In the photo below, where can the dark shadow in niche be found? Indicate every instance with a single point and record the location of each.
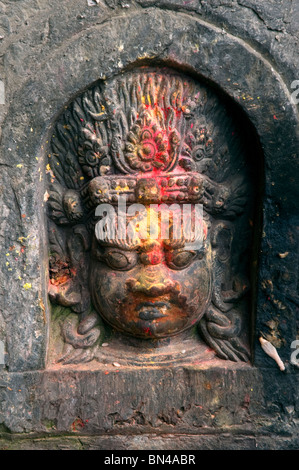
(157, 135)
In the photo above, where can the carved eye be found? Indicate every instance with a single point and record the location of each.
(119, 260)
(180, 259)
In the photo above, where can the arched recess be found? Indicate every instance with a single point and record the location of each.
(178, 40)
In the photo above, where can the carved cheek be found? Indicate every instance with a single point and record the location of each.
(195, 285)
(106, 282)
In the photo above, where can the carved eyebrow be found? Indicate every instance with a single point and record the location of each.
(125, 245)
(119, 243)
(174, 243)
(132, 243)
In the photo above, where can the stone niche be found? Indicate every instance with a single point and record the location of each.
(145, 340)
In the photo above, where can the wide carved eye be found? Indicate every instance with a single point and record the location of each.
(119, 260)
(180, 259)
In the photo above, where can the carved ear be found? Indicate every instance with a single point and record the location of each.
(221, 326)
(69, 261)
(221, 240)
(228, 287)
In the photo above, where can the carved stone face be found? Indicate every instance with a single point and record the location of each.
(152, 288)
(150, 137)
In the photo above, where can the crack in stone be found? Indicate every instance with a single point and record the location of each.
(259, 16)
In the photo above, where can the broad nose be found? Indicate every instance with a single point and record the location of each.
(152, 252)
(153, 282)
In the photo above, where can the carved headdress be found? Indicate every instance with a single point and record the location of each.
(150, 136)
(155, 136)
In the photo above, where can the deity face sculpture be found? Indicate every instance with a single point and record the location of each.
(152, 288)
(153, 137)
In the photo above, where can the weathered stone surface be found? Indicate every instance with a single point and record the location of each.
(23, 148)
(182, 443)
(183, 408)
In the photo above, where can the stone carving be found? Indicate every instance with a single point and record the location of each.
(149, 136)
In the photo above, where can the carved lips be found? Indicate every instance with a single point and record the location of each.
(151, 310)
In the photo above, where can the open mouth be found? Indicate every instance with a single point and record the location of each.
(151, 310)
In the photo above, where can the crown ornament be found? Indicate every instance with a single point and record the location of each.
(149, 136)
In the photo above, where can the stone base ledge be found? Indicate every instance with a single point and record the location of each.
(178, 442)
(190, 407)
